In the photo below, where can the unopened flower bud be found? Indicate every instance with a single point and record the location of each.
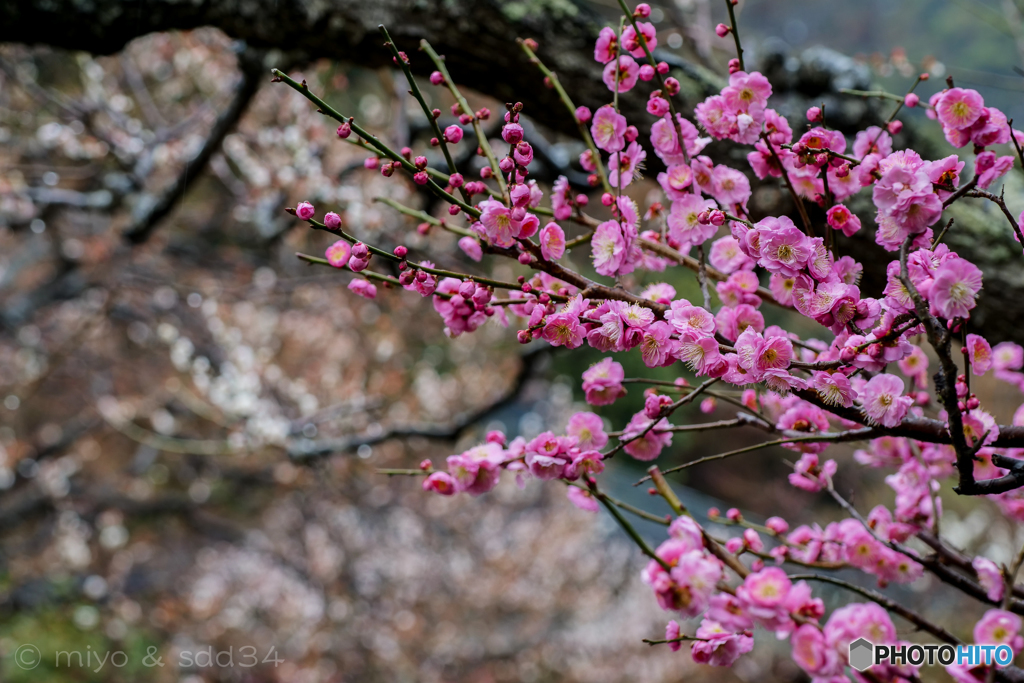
(663, 68)
(814, 114)
(401, 251)
(453, 134)
(406, 152)
(421, 178)
(420, 162)
(717, 217)
(523, 337)
(973, 403)
(344, 130)
(483, 113)
(456, 180)
(911, 100)
(486, 172)
(332, 221)
(734, 65)
(436, 78)
(512, 133)
(583, 114)
(387, 169)
(525, 258)
(434, 142)
(582, 199)
(436, 113)
(642, 11)
(631, 133)
(671, 85)
(305, 211)
(453, 210)
(607, 199)
(895, 127)
(721, 30)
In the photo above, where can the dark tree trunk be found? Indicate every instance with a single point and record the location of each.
(478, 39)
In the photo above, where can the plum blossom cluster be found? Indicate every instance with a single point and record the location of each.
(863, 376)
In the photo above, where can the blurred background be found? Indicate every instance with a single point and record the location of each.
(192, 418)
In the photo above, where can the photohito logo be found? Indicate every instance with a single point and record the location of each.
(864, 654)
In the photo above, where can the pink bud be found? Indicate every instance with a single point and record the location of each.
(434, 142)
(717, 217)
(357, 265)
(523, 337)
(407, 152)
(421, 178)
(911, 100)
(456, 180)
(420, 162)
(646, 72)
(344, 130)
(777, 524)
(671, 85)
(643, 10)
(305, 211)
(582, 199)
(332, 221)
(657, 106)
(973, 403)
(371, 163)
(734, 65)
(733, 514)
(453, 210)
(483, 113)
(722, 30)
(631, 133)
(506, 164)
(494, 436)
(512, 133)
(663, 68)
(426, 464)
(607, 199)
(714, 513)
(814, 114)
(453, 134)
(387, 169)
(436, 78)
(583, 114)
(734, 545)
(525, 258)
(895, 127)
(401, 252)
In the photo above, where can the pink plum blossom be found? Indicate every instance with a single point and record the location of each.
(884, 402)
